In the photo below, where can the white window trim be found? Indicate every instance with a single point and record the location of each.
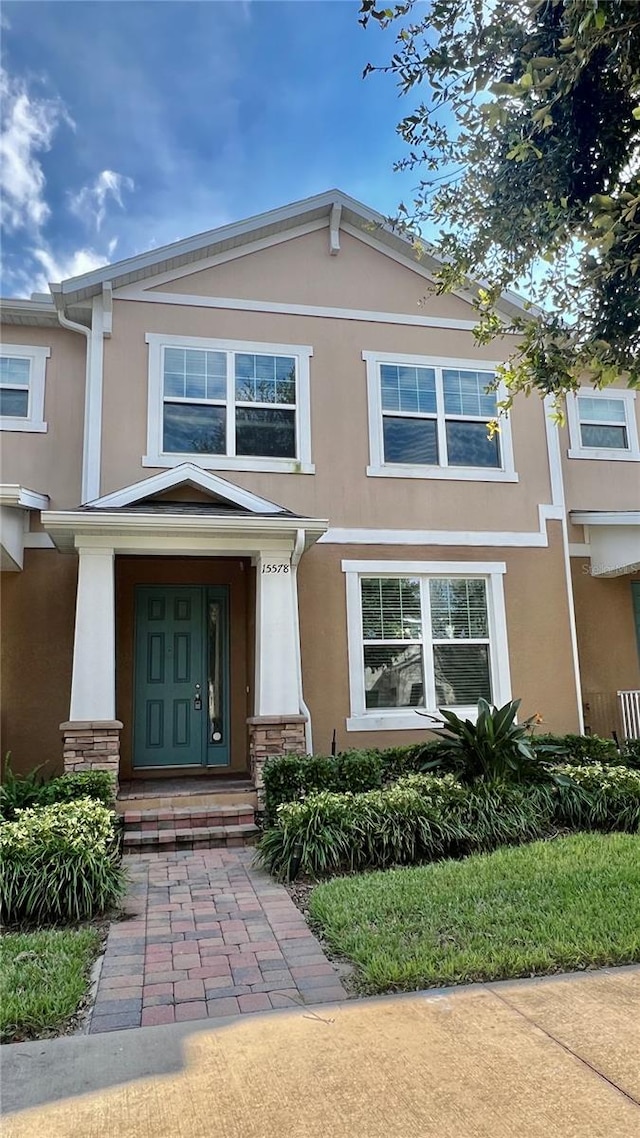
(34, 421)
(577, 450)
(155, 457)
(378, 468)
(401, 719)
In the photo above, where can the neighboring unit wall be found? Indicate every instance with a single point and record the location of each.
(599, 483)
(50, 462)
(607, 643)
(38, 616)
(540, 657)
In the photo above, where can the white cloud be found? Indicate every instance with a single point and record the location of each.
(90, 203)
(69, 265)
(27, 127)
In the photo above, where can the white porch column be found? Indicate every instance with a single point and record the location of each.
(277, 654)
(93, 684)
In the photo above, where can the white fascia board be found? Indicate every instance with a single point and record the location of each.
(610, 518)
(70, 528)
(14, 495)
(187, 472)
(501, 538)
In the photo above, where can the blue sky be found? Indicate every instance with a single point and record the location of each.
(132, 123)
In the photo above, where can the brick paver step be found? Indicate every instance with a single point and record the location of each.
(184, 837)
(181, 817)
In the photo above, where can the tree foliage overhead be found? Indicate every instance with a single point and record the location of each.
(527, 148)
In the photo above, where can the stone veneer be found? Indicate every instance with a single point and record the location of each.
(92, 745)
(273, 735)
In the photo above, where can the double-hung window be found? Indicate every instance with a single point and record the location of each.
(228, 404)
(430, 419)
(22, 380)
(602, 424)
(424, 636)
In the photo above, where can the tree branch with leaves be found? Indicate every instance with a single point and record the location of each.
(527, 147)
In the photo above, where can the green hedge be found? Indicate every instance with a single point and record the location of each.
(59, 862)
(425, 817)
(21, 791)
(289, 778)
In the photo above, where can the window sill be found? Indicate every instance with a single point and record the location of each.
(446, 473)
(405, 720)
(601, 454)
(224, 462)
(30, 425)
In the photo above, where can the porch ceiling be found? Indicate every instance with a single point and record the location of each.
(613, 538)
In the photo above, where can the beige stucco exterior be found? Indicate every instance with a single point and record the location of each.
(364, 298)
(50, 463)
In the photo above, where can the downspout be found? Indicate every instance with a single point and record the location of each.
(298, 550)
(92, 398)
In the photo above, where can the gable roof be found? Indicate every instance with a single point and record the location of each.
(187, 474)
(332, 206)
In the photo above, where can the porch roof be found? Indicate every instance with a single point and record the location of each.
(214, 532)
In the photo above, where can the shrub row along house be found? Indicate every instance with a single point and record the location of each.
(249, 499)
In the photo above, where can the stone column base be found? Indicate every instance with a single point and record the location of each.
(271, 735)
(92, 745)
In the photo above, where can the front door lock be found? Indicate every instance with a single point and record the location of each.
(197, 699)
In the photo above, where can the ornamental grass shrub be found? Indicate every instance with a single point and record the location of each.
(59, 863)
(425, 817)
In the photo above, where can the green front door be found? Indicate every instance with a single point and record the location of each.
(181, 677)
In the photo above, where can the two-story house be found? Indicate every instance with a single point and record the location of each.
(249, 500)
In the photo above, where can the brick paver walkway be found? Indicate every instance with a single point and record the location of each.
(208, 935)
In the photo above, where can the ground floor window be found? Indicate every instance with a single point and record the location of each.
(424, 635)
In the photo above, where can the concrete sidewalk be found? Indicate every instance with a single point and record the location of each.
(556, 1058)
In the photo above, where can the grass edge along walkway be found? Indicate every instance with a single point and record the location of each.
(545, 907)
(44, 978)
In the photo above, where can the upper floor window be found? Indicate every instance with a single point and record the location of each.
(423, 636)
(602, 424)
(22, 376)
(429, 419)
(228, 404)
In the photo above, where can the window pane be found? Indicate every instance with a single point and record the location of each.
(462, 674)
(265, 379)
(15, 370)
(458, 609)
(468, 445)
(611, 437)
(601, 410)
(408, 388)
(464, 393)
(264, 432)
(215, 679)
(391, 608)
(14, 403)
(194, 428)
(195, 374)
(393, 675)
(410, 440)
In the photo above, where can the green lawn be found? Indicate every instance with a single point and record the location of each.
(43, 980)
(539, 908)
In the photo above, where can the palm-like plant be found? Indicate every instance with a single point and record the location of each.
(494, 748)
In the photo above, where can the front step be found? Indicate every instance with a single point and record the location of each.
(204, 826)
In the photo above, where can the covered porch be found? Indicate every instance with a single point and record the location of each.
(608, 621)
(186, 658)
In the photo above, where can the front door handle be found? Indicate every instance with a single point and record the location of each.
(197, 699)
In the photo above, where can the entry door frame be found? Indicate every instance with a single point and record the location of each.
(206, 752)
